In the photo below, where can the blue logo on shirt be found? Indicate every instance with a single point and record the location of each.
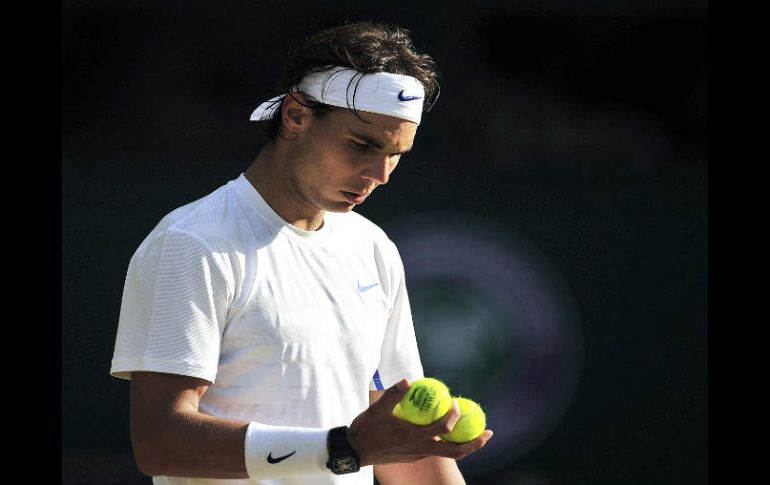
(365, 288)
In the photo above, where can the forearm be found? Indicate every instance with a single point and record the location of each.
(433, 470)
(192, 444)
(172, 437)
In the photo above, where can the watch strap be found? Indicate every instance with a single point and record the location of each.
(342, 458)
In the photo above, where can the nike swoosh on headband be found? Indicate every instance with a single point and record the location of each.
(407, 98)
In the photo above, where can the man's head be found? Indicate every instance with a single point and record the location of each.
(334, 162)
(362, 47)
(351, 99)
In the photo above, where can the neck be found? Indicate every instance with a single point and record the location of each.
(270, 176)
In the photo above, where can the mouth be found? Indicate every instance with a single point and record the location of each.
(355, 197)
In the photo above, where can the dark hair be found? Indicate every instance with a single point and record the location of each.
(364, 46)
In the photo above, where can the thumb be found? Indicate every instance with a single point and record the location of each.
(393, 394)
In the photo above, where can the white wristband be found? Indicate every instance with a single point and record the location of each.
(277, 451)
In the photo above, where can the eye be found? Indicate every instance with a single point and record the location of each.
(359, 146)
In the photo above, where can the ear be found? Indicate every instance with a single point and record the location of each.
(295, 115)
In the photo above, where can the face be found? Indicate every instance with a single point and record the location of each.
(337, 160)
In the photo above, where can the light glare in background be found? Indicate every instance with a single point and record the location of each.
(496, 321)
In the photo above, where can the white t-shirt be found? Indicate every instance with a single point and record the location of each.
(292, 327)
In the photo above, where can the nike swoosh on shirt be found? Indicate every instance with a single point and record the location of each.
(365, 288)
(273, 461)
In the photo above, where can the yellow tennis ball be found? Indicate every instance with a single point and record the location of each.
(397, 411)
(471, 424)
(426, 401)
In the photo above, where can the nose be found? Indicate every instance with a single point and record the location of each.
(378, 169)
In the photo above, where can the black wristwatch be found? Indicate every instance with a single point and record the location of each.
(342, 458)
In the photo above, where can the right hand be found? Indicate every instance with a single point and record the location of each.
(378, 437)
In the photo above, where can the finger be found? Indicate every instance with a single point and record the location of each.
(393, 394)
(447, 423)
(460, 450)
(484, 438)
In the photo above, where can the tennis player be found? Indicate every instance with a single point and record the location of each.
(266, 327)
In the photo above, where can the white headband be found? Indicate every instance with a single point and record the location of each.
(389, 94)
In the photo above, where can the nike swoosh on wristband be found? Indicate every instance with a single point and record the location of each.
(273, 461)
(401, 97)
(367, 287)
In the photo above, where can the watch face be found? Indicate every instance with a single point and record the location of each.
(345, 465)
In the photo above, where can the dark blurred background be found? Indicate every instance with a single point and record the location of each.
(552, 216)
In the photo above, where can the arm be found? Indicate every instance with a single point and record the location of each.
(431, 469)
(170, 436)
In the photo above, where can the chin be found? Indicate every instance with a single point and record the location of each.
(333, 204)
(341, 208)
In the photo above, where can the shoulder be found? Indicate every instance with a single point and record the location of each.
(359, 232)
(212, 224)
(372, 246)
(355, 227)
(214, 218)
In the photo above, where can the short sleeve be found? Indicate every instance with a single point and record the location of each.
(173, 310)
(399, 356)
